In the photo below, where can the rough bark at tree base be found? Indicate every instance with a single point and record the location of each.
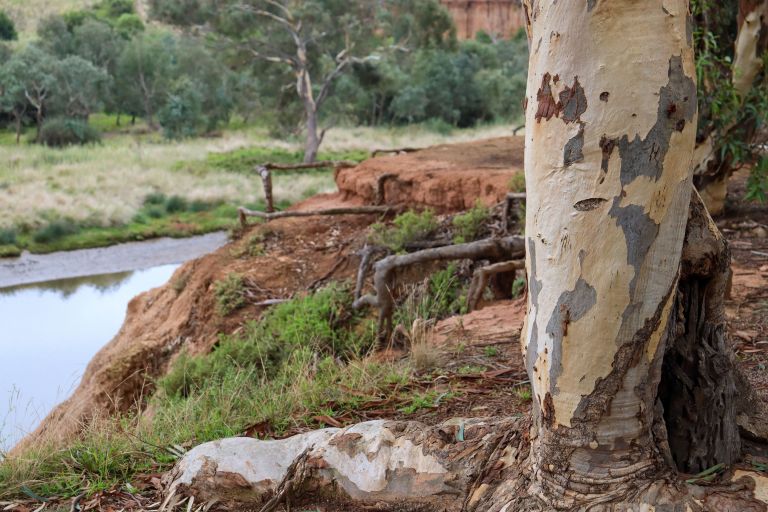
(479, 465)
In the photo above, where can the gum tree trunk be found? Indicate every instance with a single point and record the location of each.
(611, 122)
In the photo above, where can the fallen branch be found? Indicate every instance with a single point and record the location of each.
(244, 213)
(483, 275)
(492, 248)
(377, 152)
(265, 172)
(366, 254)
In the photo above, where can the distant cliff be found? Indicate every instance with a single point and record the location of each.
(498, 18)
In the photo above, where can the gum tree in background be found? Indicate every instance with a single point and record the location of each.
(731, 54)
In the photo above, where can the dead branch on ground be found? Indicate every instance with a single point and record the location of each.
(483, 275)
(265, 172)
(511, 247)
(377, 152)
(244, 213)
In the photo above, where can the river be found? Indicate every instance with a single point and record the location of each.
(58, 310)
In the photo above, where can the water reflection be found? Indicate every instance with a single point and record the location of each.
(48, 334)
(67, 287)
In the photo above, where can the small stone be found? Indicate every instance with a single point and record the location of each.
(593, 445)
(760, 232)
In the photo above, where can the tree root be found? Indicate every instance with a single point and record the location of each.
(493, 249)
(461, 465)
(244, 213)
(483, 275)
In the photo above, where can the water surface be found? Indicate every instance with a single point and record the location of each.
(48, 334)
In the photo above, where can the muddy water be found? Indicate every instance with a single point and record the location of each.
(58, 310)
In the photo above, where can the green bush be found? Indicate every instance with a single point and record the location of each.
(469, 225)
(61, 132)
(229, 294)
(7, 28)
(56, 230)
(8, 236)
(176, 204)
(407, 228)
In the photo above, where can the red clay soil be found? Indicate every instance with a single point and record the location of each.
(449, 177)
(481, 351)
(297, 253)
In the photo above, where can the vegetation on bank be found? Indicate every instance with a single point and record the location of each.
(304, 364)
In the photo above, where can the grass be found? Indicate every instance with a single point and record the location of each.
(468, 226)
(307, 357)
(230, 294)
(102, 188)
(406, 228)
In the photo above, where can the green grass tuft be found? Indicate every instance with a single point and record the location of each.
(406, 228)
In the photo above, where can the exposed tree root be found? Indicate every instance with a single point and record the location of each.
(483, 275)
(479, 465)
(381, 182)
(377, 152)
(244, 213)
(383, 279)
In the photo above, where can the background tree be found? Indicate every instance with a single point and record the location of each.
(13, 101)
(7, 28)
(144, 73)
(80, 87)
(732, 48)
(36, 73)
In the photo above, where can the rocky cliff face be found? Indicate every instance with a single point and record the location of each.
(498, 18)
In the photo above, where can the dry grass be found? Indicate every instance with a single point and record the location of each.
(107, 184)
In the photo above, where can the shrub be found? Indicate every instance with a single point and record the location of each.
(176, 204)
(517, 182)
(407, 228)
(61, 132)
(7, 236)
(469, 225)
(7, 28)
(229, 294)
(55, 230)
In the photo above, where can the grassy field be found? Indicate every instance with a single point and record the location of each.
(27, 13)
(59, 199)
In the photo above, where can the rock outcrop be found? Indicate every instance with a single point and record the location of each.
(497, 18)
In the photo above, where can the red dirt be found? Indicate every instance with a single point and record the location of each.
(450, 177)
(298, 253)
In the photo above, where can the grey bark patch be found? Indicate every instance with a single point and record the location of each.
(604, 96)
(573, 151)
(571, 306)
(591, 4)
(534, 288)
(689, 29)
(640, 231)
(592, 203)
(677, 103)
(573, 102)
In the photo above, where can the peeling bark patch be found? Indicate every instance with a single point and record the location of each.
(573, 102)
(573, 151)
(689, 29)
(548, 409)
(591, 5)
(548, 108)
(607, 145)
(592, 203)
(640, 231)
(677, 103)
(534, 287)
(571, 307)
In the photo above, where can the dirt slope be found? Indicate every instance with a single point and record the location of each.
(296, 253)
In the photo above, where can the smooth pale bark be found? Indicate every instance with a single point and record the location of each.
(611, 122)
